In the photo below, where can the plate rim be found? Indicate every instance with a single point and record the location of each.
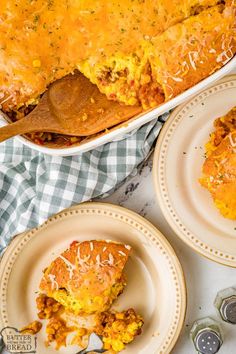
(200, 247)
(137, 221)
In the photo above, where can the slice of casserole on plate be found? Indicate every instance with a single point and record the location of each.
(87, 277)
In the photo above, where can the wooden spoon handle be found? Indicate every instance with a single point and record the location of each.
(36, 121)
(22, 126)
(28, 124)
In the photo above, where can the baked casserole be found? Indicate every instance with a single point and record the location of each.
(219, 169)
(137, 52)
(77, 291)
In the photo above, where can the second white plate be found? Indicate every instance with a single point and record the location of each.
(179, 156)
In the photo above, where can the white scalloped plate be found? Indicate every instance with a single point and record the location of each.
(156, 287)
(178, 161)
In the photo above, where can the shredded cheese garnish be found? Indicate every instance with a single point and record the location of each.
(98, 259)
(83, 262)
(71, 267)
(232, 142)
(52, 279)
(122, 253)
(111, 259)
(192, 58)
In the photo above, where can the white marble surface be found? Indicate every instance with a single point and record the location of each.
(204, 278)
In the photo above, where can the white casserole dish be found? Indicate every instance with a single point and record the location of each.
(125, 128)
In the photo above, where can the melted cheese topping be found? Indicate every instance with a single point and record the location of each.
(44, 40)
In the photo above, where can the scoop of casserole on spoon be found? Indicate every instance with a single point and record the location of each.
(71, 106)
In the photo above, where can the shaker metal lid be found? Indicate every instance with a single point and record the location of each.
(208, 341)
(228, 309)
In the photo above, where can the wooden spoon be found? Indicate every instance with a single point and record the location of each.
(71, 106)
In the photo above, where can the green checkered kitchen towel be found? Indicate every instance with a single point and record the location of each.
(34, 186)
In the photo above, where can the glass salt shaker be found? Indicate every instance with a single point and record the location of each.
(207, 336)
(225, 303)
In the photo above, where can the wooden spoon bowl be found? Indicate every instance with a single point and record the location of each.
(71, 106)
